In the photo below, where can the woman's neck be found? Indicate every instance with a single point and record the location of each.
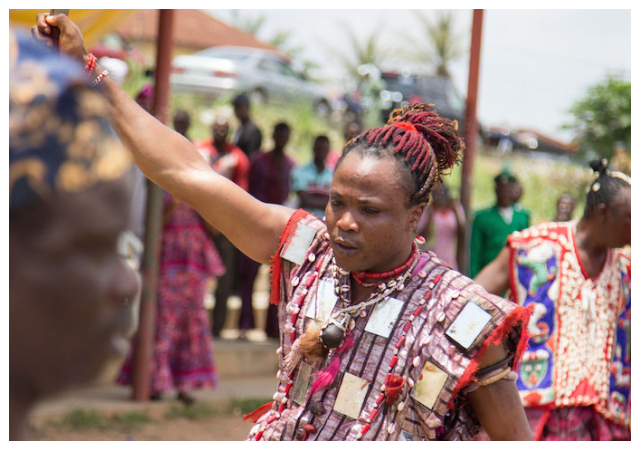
(591, 251)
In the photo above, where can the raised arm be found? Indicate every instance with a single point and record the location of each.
(494, 277)
(172, 162)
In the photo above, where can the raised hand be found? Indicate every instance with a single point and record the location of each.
(70, 38)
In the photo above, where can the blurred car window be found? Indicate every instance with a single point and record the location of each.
(286, 70)
(219, 53)
(262, 73)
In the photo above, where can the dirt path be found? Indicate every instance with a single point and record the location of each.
(167, 424)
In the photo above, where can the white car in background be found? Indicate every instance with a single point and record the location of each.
(265, 75)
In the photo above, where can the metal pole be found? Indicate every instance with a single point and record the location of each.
(153, 223)
(471, 125)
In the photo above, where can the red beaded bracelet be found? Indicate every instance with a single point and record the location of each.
(91, 64)
(100, 77)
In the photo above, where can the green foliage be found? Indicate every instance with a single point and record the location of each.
(357, 52)
(82, 420)
(196, 411)
(136, 79)
(439, 45)
(603, 117)
(246, 405)
(130, 420)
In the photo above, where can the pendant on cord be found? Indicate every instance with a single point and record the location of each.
(332, 335)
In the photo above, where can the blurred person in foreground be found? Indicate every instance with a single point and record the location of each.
(377, 340)
(71, 292)
(311, 181)
(575, 378)
(491, 226)
(231, 162)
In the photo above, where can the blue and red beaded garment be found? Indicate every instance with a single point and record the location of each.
(579, 348)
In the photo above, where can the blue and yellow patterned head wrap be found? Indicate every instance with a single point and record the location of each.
(60, 141)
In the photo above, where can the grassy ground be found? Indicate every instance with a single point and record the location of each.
(200, 421)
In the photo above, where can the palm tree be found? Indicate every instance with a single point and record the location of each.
(361, 53)
(440, 44)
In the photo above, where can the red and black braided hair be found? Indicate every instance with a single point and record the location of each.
(425, 142)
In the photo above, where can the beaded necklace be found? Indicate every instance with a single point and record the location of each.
(343, 320)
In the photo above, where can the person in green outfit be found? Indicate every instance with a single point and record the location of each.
(491, 226)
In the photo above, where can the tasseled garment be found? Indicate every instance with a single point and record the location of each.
(327, 376)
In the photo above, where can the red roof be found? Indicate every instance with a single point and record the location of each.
(570, 148)
(192, 28)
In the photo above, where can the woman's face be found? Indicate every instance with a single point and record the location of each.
(369, 223)
(69, 289)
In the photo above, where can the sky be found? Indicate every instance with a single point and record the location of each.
(534, 63)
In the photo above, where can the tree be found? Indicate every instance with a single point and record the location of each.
(361, 53)
(602, 119)
(439, 46)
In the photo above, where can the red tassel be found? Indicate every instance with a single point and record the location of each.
(254, 416)
(276, 261)
(328, 375)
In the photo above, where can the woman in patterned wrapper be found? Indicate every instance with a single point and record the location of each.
(379, 341)
(183, 358)
(575, 277)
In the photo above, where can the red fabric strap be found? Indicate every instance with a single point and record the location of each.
(519, 314)
(276, 260)
(255, 415)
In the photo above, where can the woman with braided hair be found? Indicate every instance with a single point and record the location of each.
(575, 378)
(379, 341)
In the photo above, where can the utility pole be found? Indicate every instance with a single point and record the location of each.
(153, 223)
(471, 127)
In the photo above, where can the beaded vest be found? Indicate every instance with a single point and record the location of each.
(441, 325)
(579, 348)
